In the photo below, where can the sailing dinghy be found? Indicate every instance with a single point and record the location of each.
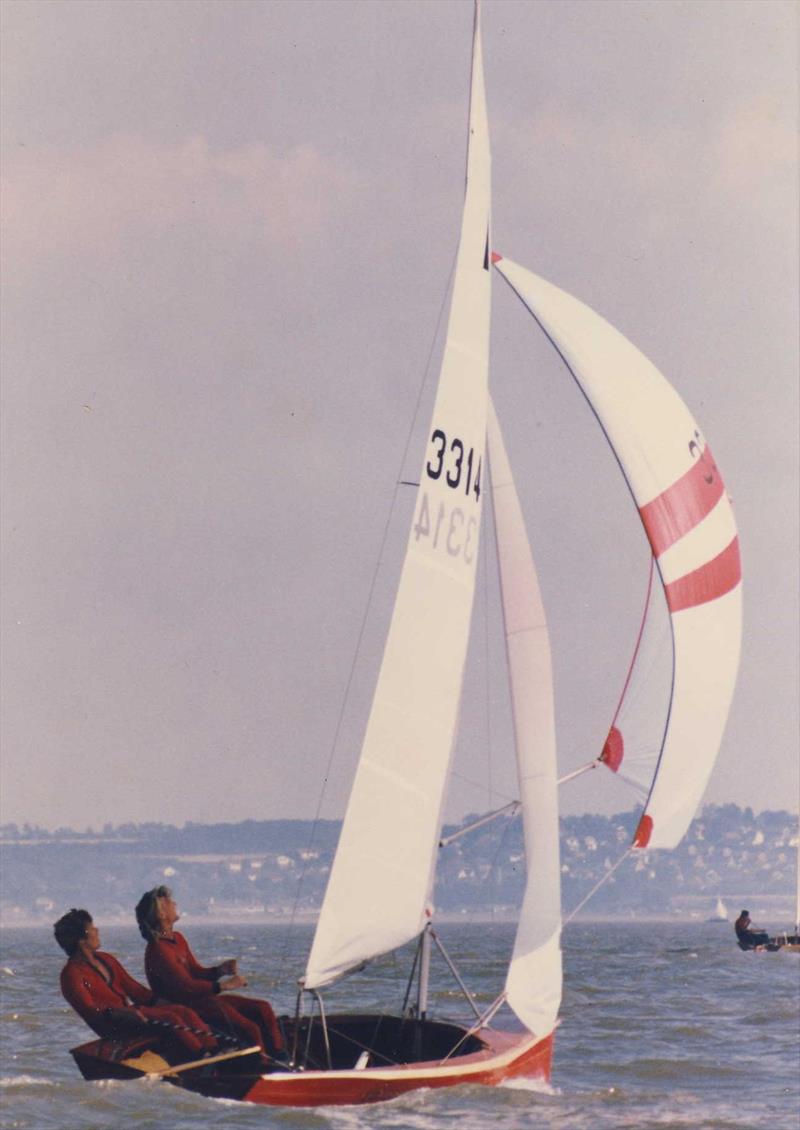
(720, 912)
(379, 892)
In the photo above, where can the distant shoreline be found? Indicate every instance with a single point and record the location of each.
(309, 918)
(275, 873)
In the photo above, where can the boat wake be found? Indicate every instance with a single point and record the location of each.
(535, 1086)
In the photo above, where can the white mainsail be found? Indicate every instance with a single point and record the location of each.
(690, 525)
(378, 895)
(533, 984)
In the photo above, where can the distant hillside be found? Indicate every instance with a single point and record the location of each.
(279, 867)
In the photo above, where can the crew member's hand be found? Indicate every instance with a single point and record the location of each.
(234, 982)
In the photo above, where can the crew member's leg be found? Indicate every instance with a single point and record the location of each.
(260, 1013)
(222, 1013)
(182, 1027)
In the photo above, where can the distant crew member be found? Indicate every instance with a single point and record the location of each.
(174, 973)
(748, 935)
(113, 1003)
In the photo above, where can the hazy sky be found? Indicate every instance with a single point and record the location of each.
(229, 227)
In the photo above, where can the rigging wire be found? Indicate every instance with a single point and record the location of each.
(639, 638)
(364, 619)
(487, 664)
(596, 887)
(490, 878)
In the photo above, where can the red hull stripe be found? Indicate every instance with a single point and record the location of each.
(683, 505)
(316, 1088)
(710, 581)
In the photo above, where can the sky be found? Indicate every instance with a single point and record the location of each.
(228, 229)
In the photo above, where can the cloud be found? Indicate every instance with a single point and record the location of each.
(92, 200)
(755, 147)
(744, 157)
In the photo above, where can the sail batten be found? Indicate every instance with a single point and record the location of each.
(689, 522)
(378, 894)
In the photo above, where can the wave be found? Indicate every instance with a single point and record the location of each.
(24, 1081)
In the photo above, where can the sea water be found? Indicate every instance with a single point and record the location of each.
(661, 1026)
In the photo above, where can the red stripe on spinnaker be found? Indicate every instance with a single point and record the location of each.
(682, 506)
(718, 576)
(643, 832)
(496, 257)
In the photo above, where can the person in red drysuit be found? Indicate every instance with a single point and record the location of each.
(174, 973)
(112, 1002)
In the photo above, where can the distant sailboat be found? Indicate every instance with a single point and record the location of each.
(379, 893)
(720, 912)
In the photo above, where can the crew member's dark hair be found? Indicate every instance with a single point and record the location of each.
(147, 911)
(70, 929)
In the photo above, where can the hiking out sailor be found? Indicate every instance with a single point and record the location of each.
(748, 934)
(114, 1004)
(175, 973)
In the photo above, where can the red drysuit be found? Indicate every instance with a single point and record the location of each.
(98, 1000)
(174, 973)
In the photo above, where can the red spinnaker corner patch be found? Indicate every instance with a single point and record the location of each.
(643, 832)
(613, 750)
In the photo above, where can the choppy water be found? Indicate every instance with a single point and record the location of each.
(661, 1027)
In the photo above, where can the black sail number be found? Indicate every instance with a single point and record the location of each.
(454, 475)
(454, 460)
(439, 438)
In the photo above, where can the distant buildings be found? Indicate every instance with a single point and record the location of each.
(278, 869)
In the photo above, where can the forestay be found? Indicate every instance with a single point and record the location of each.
(689, 522)
(378, 895)
(533, 984)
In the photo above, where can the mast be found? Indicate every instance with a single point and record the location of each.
(424, 973)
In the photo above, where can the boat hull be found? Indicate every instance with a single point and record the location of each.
(503, 1056)
(135, 1057)
(493, 1056)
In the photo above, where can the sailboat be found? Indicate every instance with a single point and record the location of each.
(379, 895)
(720, 912)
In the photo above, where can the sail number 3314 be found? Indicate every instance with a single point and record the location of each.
(455, 463)
(447, 525)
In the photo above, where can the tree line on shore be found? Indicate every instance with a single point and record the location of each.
(275, 866)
